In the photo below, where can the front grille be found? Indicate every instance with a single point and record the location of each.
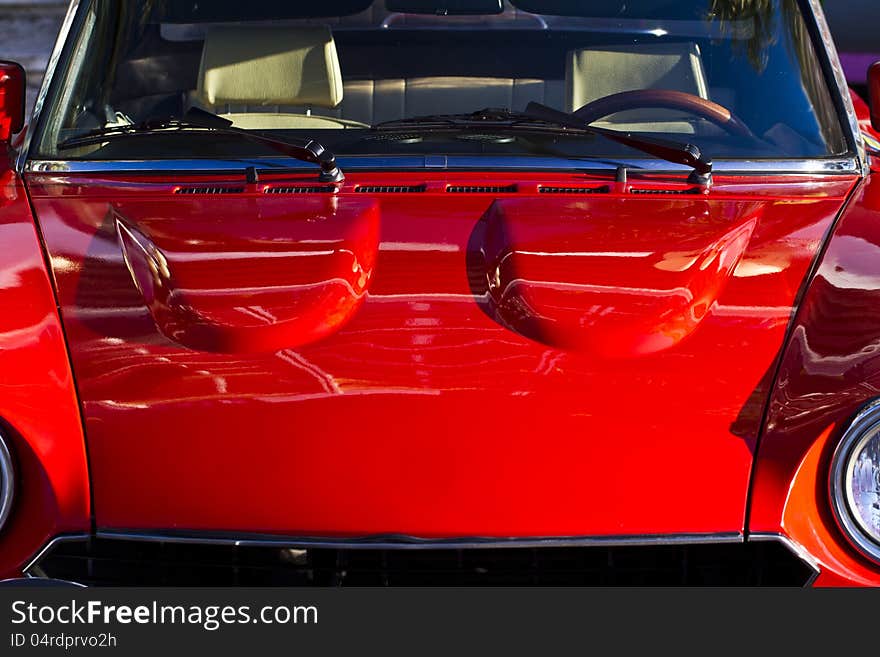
(114, 562)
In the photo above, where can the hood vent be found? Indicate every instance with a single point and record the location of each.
(575, 190)
(209, 190)
(665, 191)
(315, 189)
(391, 189)
(477, 189)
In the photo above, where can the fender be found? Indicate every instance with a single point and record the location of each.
(39, 414)
(829, 369)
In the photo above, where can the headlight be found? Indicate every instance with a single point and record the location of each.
(855, 481)
(7, 483)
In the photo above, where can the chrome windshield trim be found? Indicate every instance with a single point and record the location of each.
(850, 118)
(846, 165)
(412, 543)
(51, 68)
(796, 548)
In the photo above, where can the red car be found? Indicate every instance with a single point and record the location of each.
(440, 292)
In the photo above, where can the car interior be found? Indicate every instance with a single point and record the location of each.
(329, 73)
(291, 78)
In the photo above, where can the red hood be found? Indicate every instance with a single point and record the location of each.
(520, 363)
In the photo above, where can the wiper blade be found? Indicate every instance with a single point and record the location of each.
(666, 149)
(197, 121)
(546, 118)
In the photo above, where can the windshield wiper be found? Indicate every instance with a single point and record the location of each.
(540, 116)
(197, 121)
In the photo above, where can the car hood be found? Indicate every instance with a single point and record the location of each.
(430, 357)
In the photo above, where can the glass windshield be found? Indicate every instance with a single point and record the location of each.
(738, 78)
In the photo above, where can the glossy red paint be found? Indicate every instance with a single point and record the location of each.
(463, 396)
(38, 405)
(616, 285)
(12, 98)
(829, 370)
(301, 276)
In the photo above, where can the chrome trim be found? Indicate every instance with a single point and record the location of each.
(47, 581)
(843, 92)
(847, 165)
(35, 560)
(7, 483)
(51, 68)
(794, 547)
(412, 543)
(865, 426)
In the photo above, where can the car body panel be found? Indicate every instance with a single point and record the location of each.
(38, 402)
(828, 372)
(634, 368)
(432, 412)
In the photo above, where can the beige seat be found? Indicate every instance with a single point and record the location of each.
(374, 101)
(248, 74)
(594, 73)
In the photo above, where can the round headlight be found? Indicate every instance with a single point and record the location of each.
(7, 483)
(855, 481)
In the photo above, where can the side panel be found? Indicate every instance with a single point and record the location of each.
(830, 368)
(38, 408)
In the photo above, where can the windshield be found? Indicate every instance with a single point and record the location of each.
(738, 78)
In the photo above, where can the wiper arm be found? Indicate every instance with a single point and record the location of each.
(538, 115)
(198, 121)
(666, 149)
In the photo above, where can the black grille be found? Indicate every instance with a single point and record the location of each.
(574, 190)
(302, 189)
(209, 190)
(481, 189)
(112, 562)
(392, 189)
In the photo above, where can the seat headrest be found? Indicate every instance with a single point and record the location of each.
(270, 66)
(594, 73)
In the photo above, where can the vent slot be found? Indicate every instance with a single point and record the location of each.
(665, 191)
(209, 190)
(482, 189)
(392, 189)
(315, 189)
(575, 190)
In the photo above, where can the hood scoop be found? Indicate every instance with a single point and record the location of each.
(281, 278)
(611, 278)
